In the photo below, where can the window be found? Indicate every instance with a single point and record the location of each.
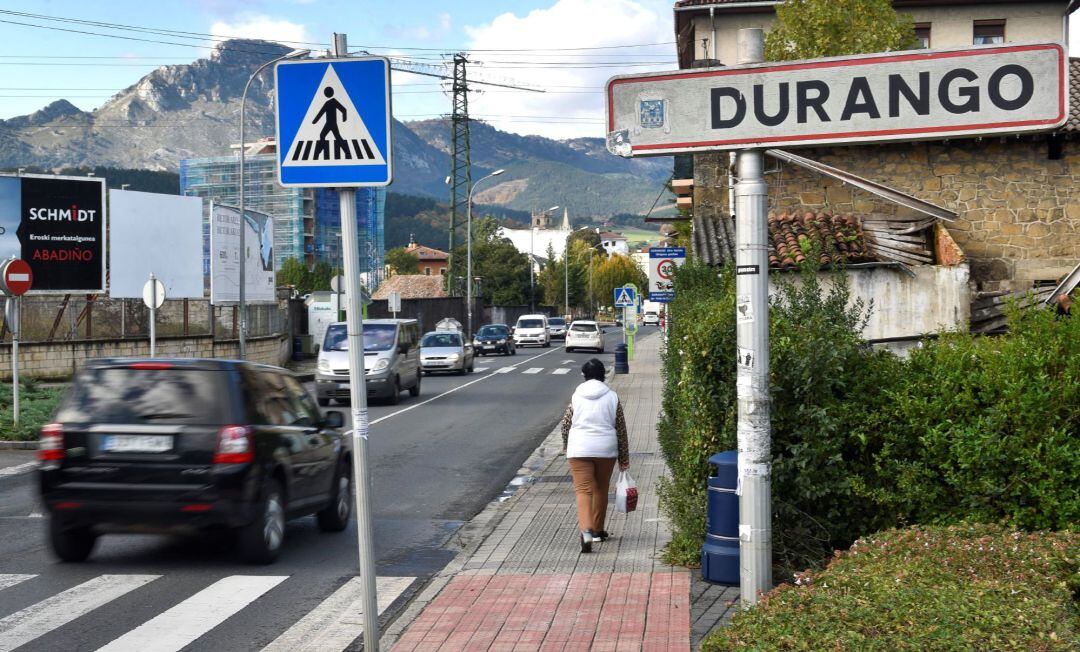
(427, 271)
(922, 35)
(989, 32)
(442, 272)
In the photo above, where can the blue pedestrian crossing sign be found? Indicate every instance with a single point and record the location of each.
(625, 297)
(333, 122)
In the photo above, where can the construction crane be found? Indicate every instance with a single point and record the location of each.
(460, 178)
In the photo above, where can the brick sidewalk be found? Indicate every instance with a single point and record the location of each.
(527, 587)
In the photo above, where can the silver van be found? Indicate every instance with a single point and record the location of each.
(391, 360)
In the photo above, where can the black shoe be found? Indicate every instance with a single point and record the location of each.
(600, 536)
(586, 541)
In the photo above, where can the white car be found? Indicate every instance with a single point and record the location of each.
(532, 329)
(585, 335)
(651, 318)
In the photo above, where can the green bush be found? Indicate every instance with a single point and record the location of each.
(36, 406)
(966, 587)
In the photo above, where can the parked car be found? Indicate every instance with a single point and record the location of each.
(532, 329)
(494, 338)
(446, 351)
(651, 318)
(585, 335)
(181, 446)
(391, 361)
(557, 328)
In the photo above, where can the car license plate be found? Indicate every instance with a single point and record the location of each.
(488, 346)
(137, 443)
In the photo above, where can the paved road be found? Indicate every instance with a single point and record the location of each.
(437, 460)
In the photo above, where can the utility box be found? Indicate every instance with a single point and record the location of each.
(720, 554)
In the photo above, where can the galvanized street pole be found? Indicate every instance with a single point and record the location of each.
(354, 327)
(752, 380)
(16, 305)
(153, 315)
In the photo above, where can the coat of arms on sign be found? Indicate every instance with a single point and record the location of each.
(651, 114)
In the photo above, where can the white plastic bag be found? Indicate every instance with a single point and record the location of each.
(626, 493)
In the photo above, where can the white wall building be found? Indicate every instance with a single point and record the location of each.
(536, 239)
(613, 243)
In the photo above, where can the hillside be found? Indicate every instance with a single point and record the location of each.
(190, 110)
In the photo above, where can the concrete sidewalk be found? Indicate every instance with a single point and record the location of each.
(525, 585)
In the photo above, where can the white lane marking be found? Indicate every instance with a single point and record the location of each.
(533, 370)
(454, 389)
(568, 362)
(20, 468)
(39, 619)
(504, 370)
(178, 627)
(479, 369)
(561, 371)
(338, 620)
(12, 580)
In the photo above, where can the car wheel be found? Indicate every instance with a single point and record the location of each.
(324, 402)
(335, 516)
(71, 544)
(395, 393)
(260, 542)
(415, 389)
(569, 349)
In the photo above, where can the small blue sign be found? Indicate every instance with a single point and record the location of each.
(625, 297)
(651, 114)
(333, 122)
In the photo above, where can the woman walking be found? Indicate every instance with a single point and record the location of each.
(594, 435)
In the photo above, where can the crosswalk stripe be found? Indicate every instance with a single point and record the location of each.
(39, 619)
(561, 371)
(339, 619)
(176, 628)
(17, 469)
(504, 370)
(533, 370)
(12, 580)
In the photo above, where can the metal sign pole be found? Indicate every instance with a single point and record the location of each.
(358, 393)
(153, 315)
(752, 375)
(17, 303)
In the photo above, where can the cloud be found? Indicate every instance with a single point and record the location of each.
(574, 102)
(434, 32)
(259, 26)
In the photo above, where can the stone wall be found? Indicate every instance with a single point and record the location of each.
(1019, 211)
(58, 360)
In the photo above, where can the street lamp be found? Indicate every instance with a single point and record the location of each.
(468, 251)
(243, 258)
(532, 262)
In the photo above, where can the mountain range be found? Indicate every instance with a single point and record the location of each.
(192, 110)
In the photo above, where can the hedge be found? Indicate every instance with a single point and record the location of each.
(965, 587)
(36, 406)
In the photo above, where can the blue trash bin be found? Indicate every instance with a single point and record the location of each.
(622, 364)
(720, 554)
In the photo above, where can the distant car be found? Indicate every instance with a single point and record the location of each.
(557, 328)
(391, 361)
(532, 329)
(651, 318)
(446, 351)
(494, 338)
(181, 446)
(585, 335)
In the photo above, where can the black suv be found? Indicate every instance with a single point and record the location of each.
(190, 445)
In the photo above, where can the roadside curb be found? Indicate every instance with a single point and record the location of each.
(18, 445)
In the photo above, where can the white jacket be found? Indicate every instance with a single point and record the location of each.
(592, 431)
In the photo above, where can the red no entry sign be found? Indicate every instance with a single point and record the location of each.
(17, 277)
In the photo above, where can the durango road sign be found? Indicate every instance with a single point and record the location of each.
(854, 99)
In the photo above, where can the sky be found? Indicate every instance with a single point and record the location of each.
(527, 43)
(567, 48)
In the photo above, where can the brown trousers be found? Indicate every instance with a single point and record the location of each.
(592, 476)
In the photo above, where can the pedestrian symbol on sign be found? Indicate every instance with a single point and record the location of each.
(349, 136)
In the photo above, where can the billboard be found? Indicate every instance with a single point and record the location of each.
(155, 234)
(225, 259)
(57, 225)
(910, 95)
(663, 262)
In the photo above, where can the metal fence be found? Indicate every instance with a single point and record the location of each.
(90, 317)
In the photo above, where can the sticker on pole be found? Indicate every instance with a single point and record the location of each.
(625, 297)
(333, 122)
(663, 262)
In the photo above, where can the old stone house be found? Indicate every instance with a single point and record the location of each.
(1016, 198)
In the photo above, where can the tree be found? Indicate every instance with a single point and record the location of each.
(293, 273)
(616, 271)
(809, 29)
(320, 275)
(503, 269)
(402, 261)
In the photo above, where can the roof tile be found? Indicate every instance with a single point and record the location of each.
(792, 236)
(411, 286)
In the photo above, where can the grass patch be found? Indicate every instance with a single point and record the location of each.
(36, 406)
(963, 587)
